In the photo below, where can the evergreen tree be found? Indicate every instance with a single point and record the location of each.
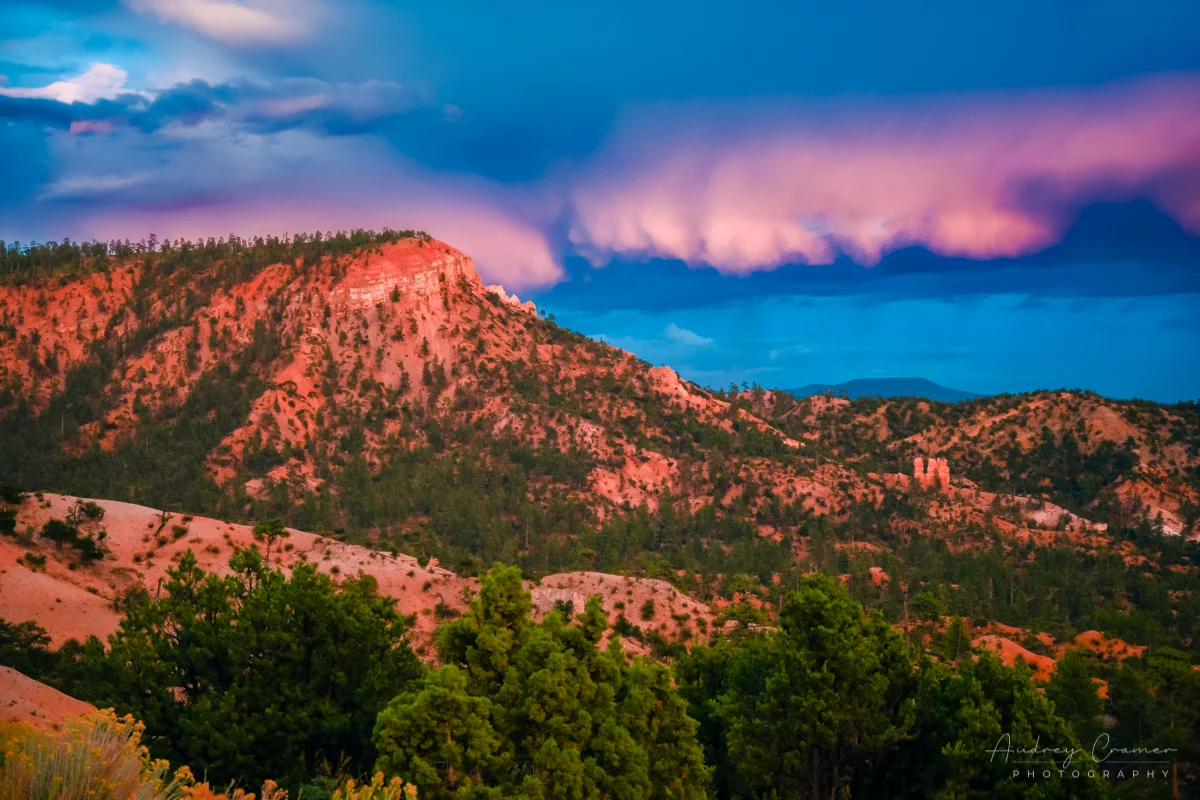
(954, 643)
(536, 710)
(24, 646)
(1076, 696)
(835, 704)
(256, 675)
(976, 714)
(801, 711)
(8, 521)
(1175, 687)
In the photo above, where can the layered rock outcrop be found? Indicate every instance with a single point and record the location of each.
(935, 475)
(411, 267)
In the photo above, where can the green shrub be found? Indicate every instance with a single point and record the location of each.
(59, 532)
(648, 609)
(62, 533)
(34, 562)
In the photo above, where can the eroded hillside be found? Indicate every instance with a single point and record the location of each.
(371, 389)
(74, 597)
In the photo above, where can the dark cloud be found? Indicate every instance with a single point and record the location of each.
(20, 176)
(330, 108)
(39, 111)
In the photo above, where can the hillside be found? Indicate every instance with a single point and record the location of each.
(389, 375)
(370, 389)
(73, 598)
(22, 699)
(887, 387)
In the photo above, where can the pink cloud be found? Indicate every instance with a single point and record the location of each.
(744, 188)
(100, 82)
(297, 181)
(235, 22)
(506, 250)
(80, 127)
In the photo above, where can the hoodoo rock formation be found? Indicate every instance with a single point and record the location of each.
(935, 475)
(512, 299)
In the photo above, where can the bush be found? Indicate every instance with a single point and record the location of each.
(59, 532)
(25, 646)
(62, 533)
(624, 627)
(34, 562)
(85, 510)
(98, 756)
(377, 790)
(648, 610)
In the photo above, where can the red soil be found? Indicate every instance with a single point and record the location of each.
(58, 324)
(74, 603)
(1113, 648)
(22, 699)
(1009, 651)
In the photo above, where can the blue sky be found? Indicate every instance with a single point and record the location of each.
(997, 198)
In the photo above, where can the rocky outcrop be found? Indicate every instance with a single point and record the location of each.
(667, 382)
(1009, 652)
(512, 299)
(934, 476)
(415, 267)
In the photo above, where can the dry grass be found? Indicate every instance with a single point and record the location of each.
(377, 790)
(98, 756)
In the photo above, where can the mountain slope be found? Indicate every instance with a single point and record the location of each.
(372, 390)
(384, 390)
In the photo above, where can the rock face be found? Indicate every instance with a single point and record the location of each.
(1009, 651)
(935, 475)
(420, 269)
(943, 473)
(666, 381)
(512, 299)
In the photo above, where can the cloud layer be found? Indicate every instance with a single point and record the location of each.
(209, 181)
(749, 187)
(97, 101)
(742, 187)
(232, 22)
(99, 82)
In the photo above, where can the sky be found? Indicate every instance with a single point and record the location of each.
(996, 197)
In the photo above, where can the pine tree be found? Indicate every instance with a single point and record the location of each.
(536, 710)
(255, 675)
(1075, 695)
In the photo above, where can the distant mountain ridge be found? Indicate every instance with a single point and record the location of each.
(888, 387)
